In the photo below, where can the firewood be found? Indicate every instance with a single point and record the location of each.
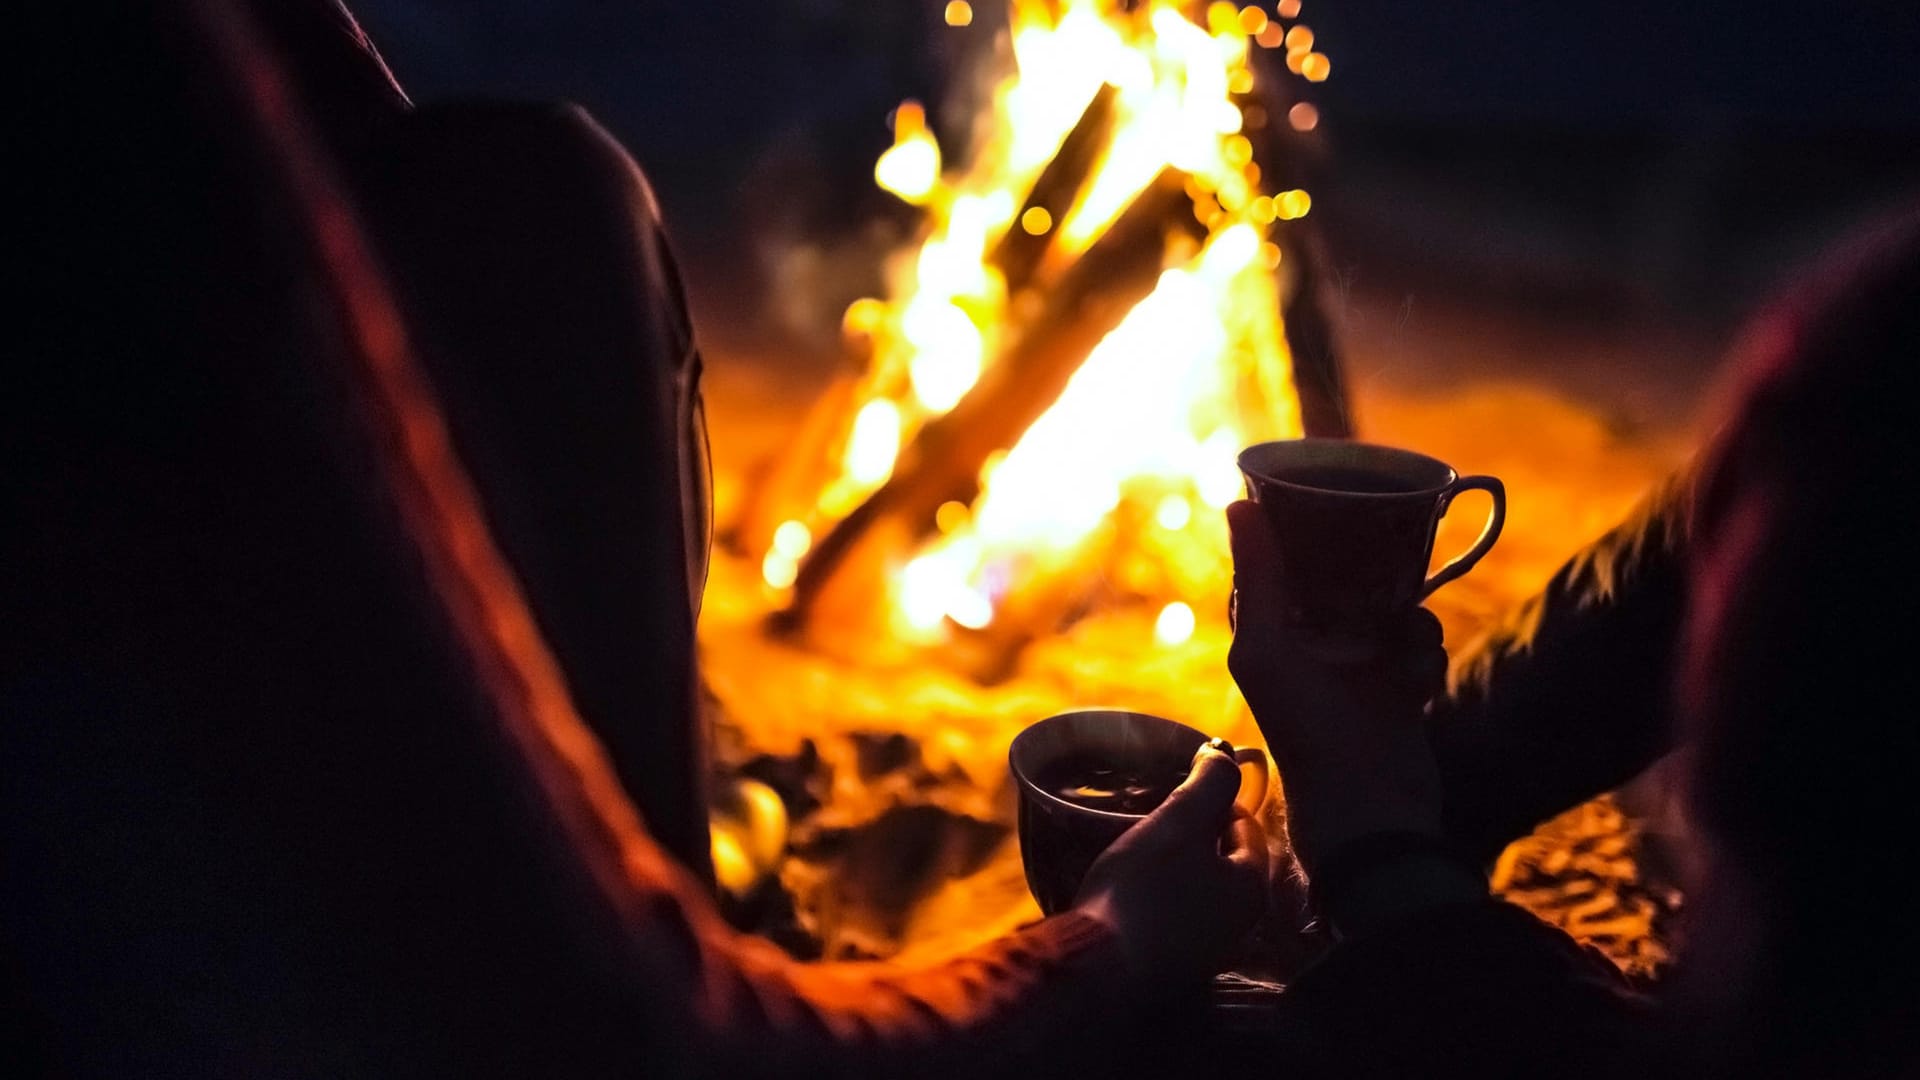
(1318, 375)
(1287, 160)
(1018, 253)
(1048, 599)
(944, 459)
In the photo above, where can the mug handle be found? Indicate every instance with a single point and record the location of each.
(1495, 520)
(1253, 778)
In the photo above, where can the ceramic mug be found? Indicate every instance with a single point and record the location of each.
(1060, 838)
(1354, 525)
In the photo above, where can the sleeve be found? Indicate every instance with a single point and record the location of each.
(1470, 989)
(1571, 694)
(1031, 1001)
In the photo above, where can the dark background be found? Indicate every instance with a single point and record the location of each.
(1637, 170)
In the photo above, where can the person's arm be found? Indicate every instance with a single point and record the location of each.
(1430, 976)
(1363, 792)
(1472, 989)
(1157, 912)
(1571, 694)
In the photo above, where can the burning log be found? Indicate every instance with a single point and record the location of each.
(843, 530)
(798, 476)
(1018, 253)
(1049, 598)
(1286, 161)
(944, 460)
(1317, 372)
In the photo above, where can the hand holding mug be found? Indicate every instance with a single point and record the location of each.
(1147, 825)
(1187, 883)
(1344, 728)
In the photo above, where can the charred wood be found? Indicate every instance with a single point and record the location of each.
(1018, 253)
(944, 460)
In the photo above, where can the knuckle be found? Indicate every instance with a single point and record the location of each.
(1215, 770)
(1243, 660)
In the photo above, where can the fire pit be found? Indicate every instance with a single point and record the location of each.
(1009, 504)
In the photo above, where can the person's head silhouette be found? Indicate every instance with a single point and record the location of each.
(1798, 716)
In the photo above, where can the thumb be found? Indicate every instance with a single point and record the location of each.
(1201, 804)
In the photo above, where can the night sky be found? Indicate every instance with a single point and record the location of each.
(1629, 61)
(762, 107)
(698, 89)
(672, 70)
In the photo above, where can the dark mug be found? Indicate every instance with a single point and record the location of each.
(1061, 837)
(1353, 525)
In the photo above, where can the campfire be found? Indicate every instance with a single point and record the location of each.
(1054, 390)
(1010, 502)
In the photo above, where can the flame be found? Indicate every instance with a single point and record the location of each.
(1159, 409)
(874, 443)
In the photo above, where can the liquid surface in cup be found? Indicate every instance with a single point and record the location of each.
(1100, 785)
(1345, 478)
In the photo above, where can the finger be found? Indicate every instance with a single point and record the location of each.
(1255, 564)
(1430, 675)
(1245, 843)
(1426, 660)
(1424, 631)
(1201, 802)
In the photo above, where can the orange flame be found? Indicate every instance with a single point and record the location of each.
(1158, 410)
